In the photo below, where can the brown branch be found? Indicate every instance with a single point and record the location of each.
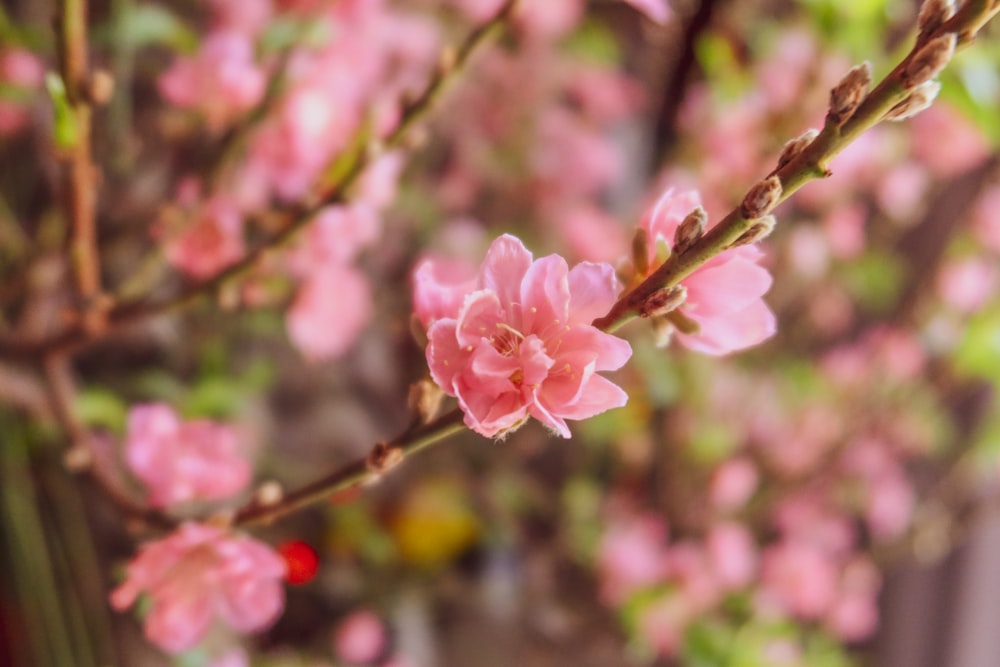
(810, 164)
(127, 312)
(82, 197)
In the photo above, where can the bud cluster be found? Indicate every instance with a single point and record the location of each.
(761, 198)
(690, 230)
(847, 96)
(794, 147)
(928, 62)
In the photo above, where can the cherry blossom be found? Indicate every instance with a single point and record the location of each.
(183, 461)
(221, 80)
(522, 344)
(360, 638)
(200, 573)
(724, 294)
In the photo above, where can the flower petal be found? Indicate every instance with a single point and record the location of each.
(593, 289)
(503, 270)
(545, 295)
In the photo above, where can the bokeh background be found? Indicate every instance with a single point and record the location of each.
(827, 498)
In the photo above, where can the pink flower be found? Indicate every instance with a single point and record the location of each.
(800, 577)
(657, 10)
(440, 287)
(732, 552)
(968, 284)
(183, 461)
(199, 573)
(207, 241)
(631, 556)
(732, 484)
(724, 294)
(360, 638)
(522, 343)
(221, 80)
(330, 309)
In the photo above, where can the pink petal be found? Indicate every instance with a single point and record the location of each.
(545, 294)
(489, 371)
(598, 395)
(657, 10)
(750, 326)
(479, 318)
(445, 358)
(178, 621)
(490, 416)
(593, 289)
(556, 424)
(503, 269)
(725, 287)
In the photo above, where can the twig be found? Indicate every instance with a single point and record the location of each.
(810, 164)
(72, 38)
(62, 392)
(128, 312)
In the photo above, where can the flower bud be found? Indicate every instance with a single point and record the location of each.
(269, 493)
(918, 100)
(382, 457)
(662, 301)
(933, 14)
(759, 230)
(424, 399)
(690, 230)
(640, 251)
(848, 95)
(761, 198)
(795, 146)
(928, 61)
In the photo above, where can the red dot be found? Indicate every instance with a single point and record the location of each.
(301, 560)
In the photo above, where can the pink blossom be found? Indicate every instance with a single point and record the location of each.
(335, 236)
(23, 71)
(204, 238)
(249, 17)
(947, 142)
(522, 343)
(631, 556)
(688, 564)
(732, 484)
(845, 230)
(902, 190)
(331, 308)
(968, 284)
(221, 80)
(800, 577)
(854, 615)
(732, 552)
(234, 657)
(440, 287)
(590, 232)
(724, 294)
(360, 638)
(657, 10)
(183, 461)
(199, 573)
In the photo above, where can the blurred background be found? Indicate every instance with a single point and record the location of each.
(827, 498)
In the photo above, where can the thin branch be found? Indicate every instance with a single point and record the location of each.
(82, 199)
(62, 394)
(296, 217)
(808, 165)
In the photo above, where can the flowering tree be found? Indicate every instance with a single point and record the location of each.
(256, 237)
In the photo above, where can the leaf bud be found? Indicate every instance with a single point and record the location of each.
(919, 99)
(928, 61)
(759, 230)
(690, 230)
(847, 96)
(795, 146)
(933, 14)
(662, 301)
(761, 198)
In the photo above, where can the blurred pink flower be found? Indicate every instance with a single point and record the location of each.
(732, 552)
(592, 234)
(657, 10)
(854, 615)
(199, 573)
(845, 230)
(800, 577)
(631, 555)
(22, 71)
(732, 483)
(207, 238)
(334, 237)
(360, 638)
(724, 294)
(234, 657)
(662, 622)
(221, 81)
(947, 142)
(248, 17)
(522, 344)
(968, 284)
(183, 461)
(331, 308)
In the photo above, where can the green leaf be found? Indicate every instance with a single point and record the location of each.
(145, 25)
(978, 354)
(64, 130)
(99, 407)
